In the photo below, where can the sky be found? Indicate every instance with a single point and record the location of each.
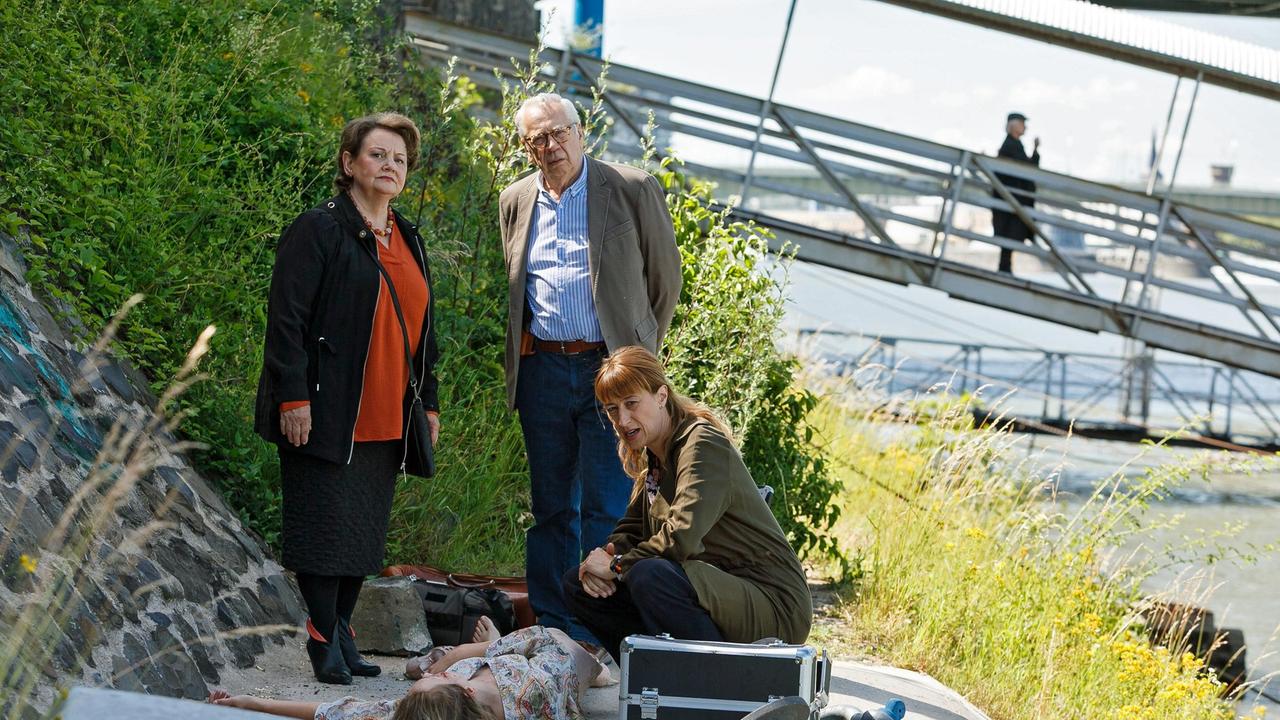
(950, 82)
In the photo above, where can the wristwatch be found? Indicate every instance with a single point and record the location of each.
(616, 567)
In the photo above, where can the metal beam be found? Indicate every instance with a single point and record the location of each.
(994, 289)
(857, 164)
(1150, 48)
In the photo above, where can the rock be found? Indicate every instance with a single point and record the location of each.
(90, 383)
(15, 372)
(16, 453)
(10, 260)
(33, 421)
(389, 619)
(182, 678)
(197, 649)
(280, 600)
(101, 604)
(196, 573)
(1176, 624)
(234, 617)
(118, 379)
(133, 670)
(33, 525)
(1227, 658)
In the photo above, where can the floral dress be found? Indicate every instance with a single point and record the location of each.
(534, 673)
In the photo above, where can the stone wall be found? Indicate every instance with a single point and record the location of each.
(153, 584)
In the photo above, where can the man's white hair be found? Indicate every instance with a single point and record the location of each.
(548, 100)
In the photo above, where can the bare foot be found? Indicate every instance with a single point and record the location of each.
(485, 630)
(603, 677)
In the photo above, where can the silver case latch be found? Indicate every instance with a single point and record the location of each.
(649, 704)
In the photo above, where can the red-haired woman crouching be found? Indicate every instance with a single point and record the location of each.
(698, 554)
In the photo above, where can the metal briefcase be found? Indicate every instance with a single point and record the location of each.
(668, 679)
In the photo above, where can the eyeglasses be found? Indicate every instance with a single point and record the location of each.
(541, 140)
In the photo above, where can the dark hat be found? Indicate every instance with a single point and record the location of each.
(1016, 116)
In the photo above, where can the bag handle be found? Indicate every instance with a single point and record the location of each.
(473, 582)
(404, 330)
(395, 302)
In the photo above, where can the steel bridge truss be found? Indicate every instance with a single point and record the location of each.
(1159, 248)
(1093, 392)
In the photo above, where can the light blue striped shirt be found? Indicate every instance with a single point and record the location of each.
(558, 284)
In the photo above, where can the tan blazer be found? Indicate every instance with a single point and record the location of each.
(633, 258)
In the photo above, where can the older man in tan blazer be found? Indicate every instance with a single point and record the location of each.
(592, 265)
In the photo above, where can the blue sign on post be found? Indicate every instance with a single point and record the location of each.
(588, 15)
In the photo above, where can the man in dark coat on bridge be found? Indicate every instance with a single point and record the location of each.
(1004, 223)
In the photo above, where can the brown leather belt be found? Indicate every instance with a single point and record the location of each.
(571, 347)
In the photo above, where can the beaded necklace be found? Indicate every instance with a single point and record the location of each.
(379, 233)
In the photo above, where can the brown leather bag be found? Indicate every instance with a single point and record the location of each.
(515, 588)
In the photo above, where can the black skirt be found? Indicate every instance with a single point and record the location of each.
(335, 516)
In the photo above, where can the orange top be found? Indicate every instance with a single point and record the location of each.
(386, 376)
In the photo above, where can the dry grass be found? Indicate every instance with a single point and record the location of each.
(969, 571)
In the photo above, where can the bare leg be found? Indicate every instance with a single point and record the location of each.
(587, 668)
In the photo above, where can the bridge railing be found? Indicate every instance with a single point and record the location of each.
(1158, 248)
(1057, 388)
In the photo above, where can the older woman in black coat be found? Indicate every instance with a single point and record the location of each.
(335, 389)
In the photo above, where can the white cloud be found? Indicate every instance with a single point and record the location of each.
(952, 99)
(866, 82)
(1099, 90)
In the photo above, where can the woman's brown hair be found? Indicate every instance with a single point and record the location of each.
(631, 370)
(355, 131)
(442, 702)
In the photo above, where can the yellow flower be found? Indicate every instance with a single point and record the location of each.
(306, 96)
(344, 51)
(976, 533)
(1190, 663)
(28, 563)
(1091, 622)
(228, 55)
(306, 67)
(336, 121)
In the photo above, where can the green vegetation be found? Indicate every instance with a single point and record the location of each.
(971, 573)
(160, 148)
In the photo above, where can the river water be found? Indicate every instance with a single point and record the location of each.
(1242, 592)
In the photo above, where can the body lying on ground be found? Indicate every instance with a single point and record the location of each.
(534, 673)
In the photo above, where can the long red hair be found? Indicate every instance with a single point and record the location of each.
(631, 370)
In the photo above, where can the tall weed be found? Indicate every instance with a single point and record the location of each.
(973, 574)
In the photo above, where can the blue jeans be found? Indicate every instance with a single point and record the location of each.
(579, 489)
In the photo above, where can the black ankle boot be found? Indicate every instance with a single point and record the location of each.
(326, 657)
(355, 663)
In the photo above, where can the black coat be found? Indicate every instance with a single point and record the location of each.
(324, 291)
(1005, 223)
